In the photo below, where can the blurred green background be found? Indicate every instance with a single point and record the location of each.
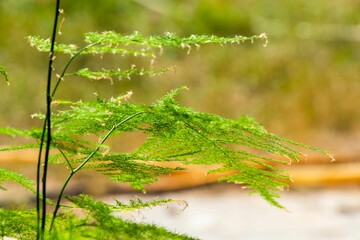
(304, 85)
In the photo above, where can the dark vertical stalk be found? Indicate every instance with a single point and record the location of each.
(47, 133)
(38, 173)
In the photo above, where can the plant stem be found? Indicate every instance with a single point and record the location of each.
(75, 170)
(47, 132)
(38, 172)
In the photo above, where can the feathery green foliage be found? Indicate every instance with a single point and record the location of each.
(98, 223)
(107, 226)
(109, 74)
(8, 175)
(178, 134)
(18, 223)
(134, 45)
(137, 204)
(116, 43)
(175, 134)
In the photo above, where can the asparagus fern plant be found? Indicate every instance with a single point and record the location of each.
(174, 132)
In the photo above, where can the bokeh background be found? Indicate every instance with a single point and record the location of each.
(304, 85)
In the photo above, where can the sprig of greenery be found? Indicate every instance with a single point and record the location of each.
(9, 175)
(98, 223)
(43, 45)
(17, 223)
(138, 204)
(167, 40)
(116, 43)
(175, 134)
(100, 215)
(118, 73)
(135, 44)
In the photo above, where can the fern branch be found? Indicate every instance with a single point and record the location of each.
(109, 74)
(175, 134)
(167, 40)
(8, 175)
(179, 134)
(136, 44)
(101, 216)
(138, 204)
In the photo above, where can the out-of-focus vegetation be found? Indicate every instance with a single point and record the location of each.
(302, 85)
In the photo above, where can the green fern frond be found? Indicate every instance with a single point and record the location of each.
(98, 223)
(19, 147)
(16, 132)
(43, 45)
(118, 73)
(167, 40)
(18, 224)
(138, 204)
(128, 168)
(175, 134)
(136, 44)
(107, 226)
(8, 175)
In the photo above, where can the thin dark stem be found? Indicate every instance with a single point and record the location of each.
(78, 168)
(57, 206)
(38, 172)
(66, 159)
(47, 124)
